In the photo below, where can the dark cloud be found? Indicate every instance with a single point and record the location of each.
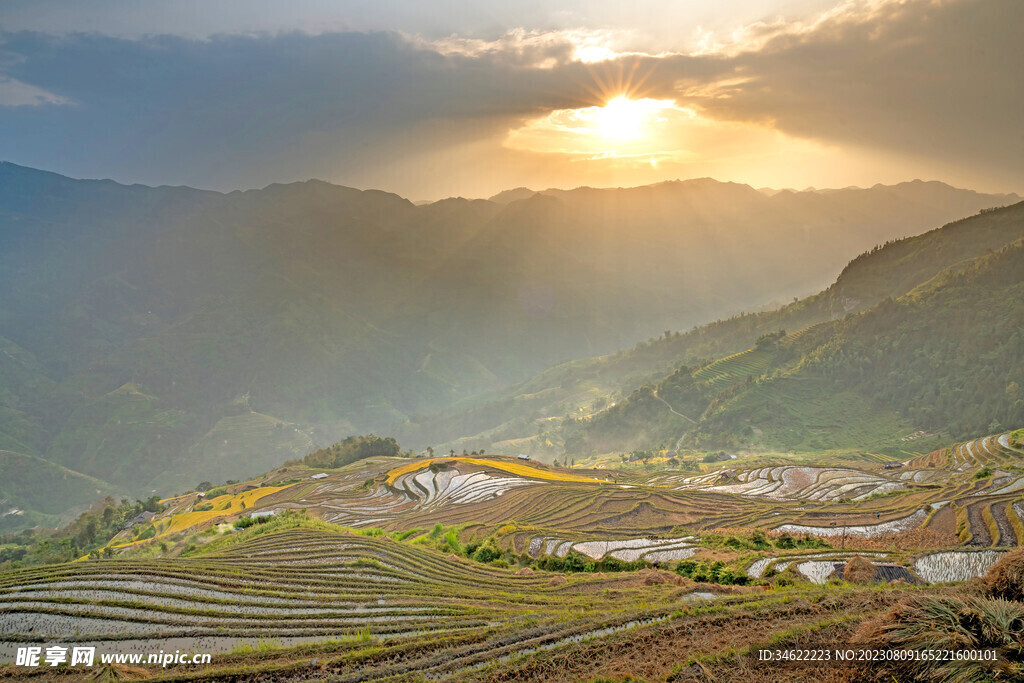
(237, 111)
(203, 111)
(934, 81)
(937, 80)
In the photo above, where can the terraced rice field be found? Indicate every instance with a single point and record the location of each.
(806, 563)
(799, 334)
(320, 601)
(992, 451)
(452, 487)
(629, 550)
(519, 469)
(301, 603)
(635, 516)
(884, 502)
(297, 584)
(955, 565)
(310, 590)
(794, 483)
(935, 567)
(186, 516)
(866, 530)
(656, 517)
(457, 492)
(737, 367)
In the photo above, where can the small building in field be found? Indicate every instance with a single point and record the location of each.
(523, 456)
(893, 465)
(320, 476)
(265, 513)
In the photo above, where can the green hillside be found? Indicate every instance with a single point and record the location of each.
(737, 367)
(869, 381)
(242, 446)
(902, 366)
(23, 384)
(124, 435)
(898, 267)
(34, 491)
(949, 355)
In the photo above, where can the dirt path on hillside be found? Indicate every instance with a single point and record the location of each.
(673, 410)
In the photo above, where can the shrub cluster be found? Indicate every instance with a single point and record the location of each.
(711, 572)
(353, 449)
(246, 522)
(758, 540)
(577, 562)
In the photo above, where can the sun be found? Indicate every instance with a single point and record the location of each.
(622, 126)
(622, 119)
(613, 118)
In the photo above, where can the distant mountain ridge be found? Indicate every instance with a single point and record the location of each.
(316, 311)
(919, 187)
(568, 404)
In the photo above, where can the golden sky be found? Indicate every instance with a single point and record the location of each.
(467, 101)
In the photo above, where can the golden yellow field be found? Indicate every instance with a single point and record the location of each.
(511, 467)
(222, 505)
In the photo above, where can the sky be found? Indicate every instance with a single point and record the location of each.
(471, 97)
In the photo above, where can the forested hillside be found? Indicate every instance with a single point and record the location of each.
(949, 355)
(946, 357)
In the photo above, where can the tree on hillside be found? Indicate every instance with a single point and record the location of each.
(353, 449)
(86, 534)
(769, 338)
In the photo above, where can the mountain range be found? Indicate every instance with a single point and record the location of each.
(155, 337)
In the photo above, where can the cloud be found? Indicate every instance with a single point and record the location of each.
(938, 80)
(932, 82)
(246, 110)
(214, 111)
(14, 93)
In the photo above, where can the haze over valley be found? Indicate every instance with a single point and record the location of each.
(155, 332)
